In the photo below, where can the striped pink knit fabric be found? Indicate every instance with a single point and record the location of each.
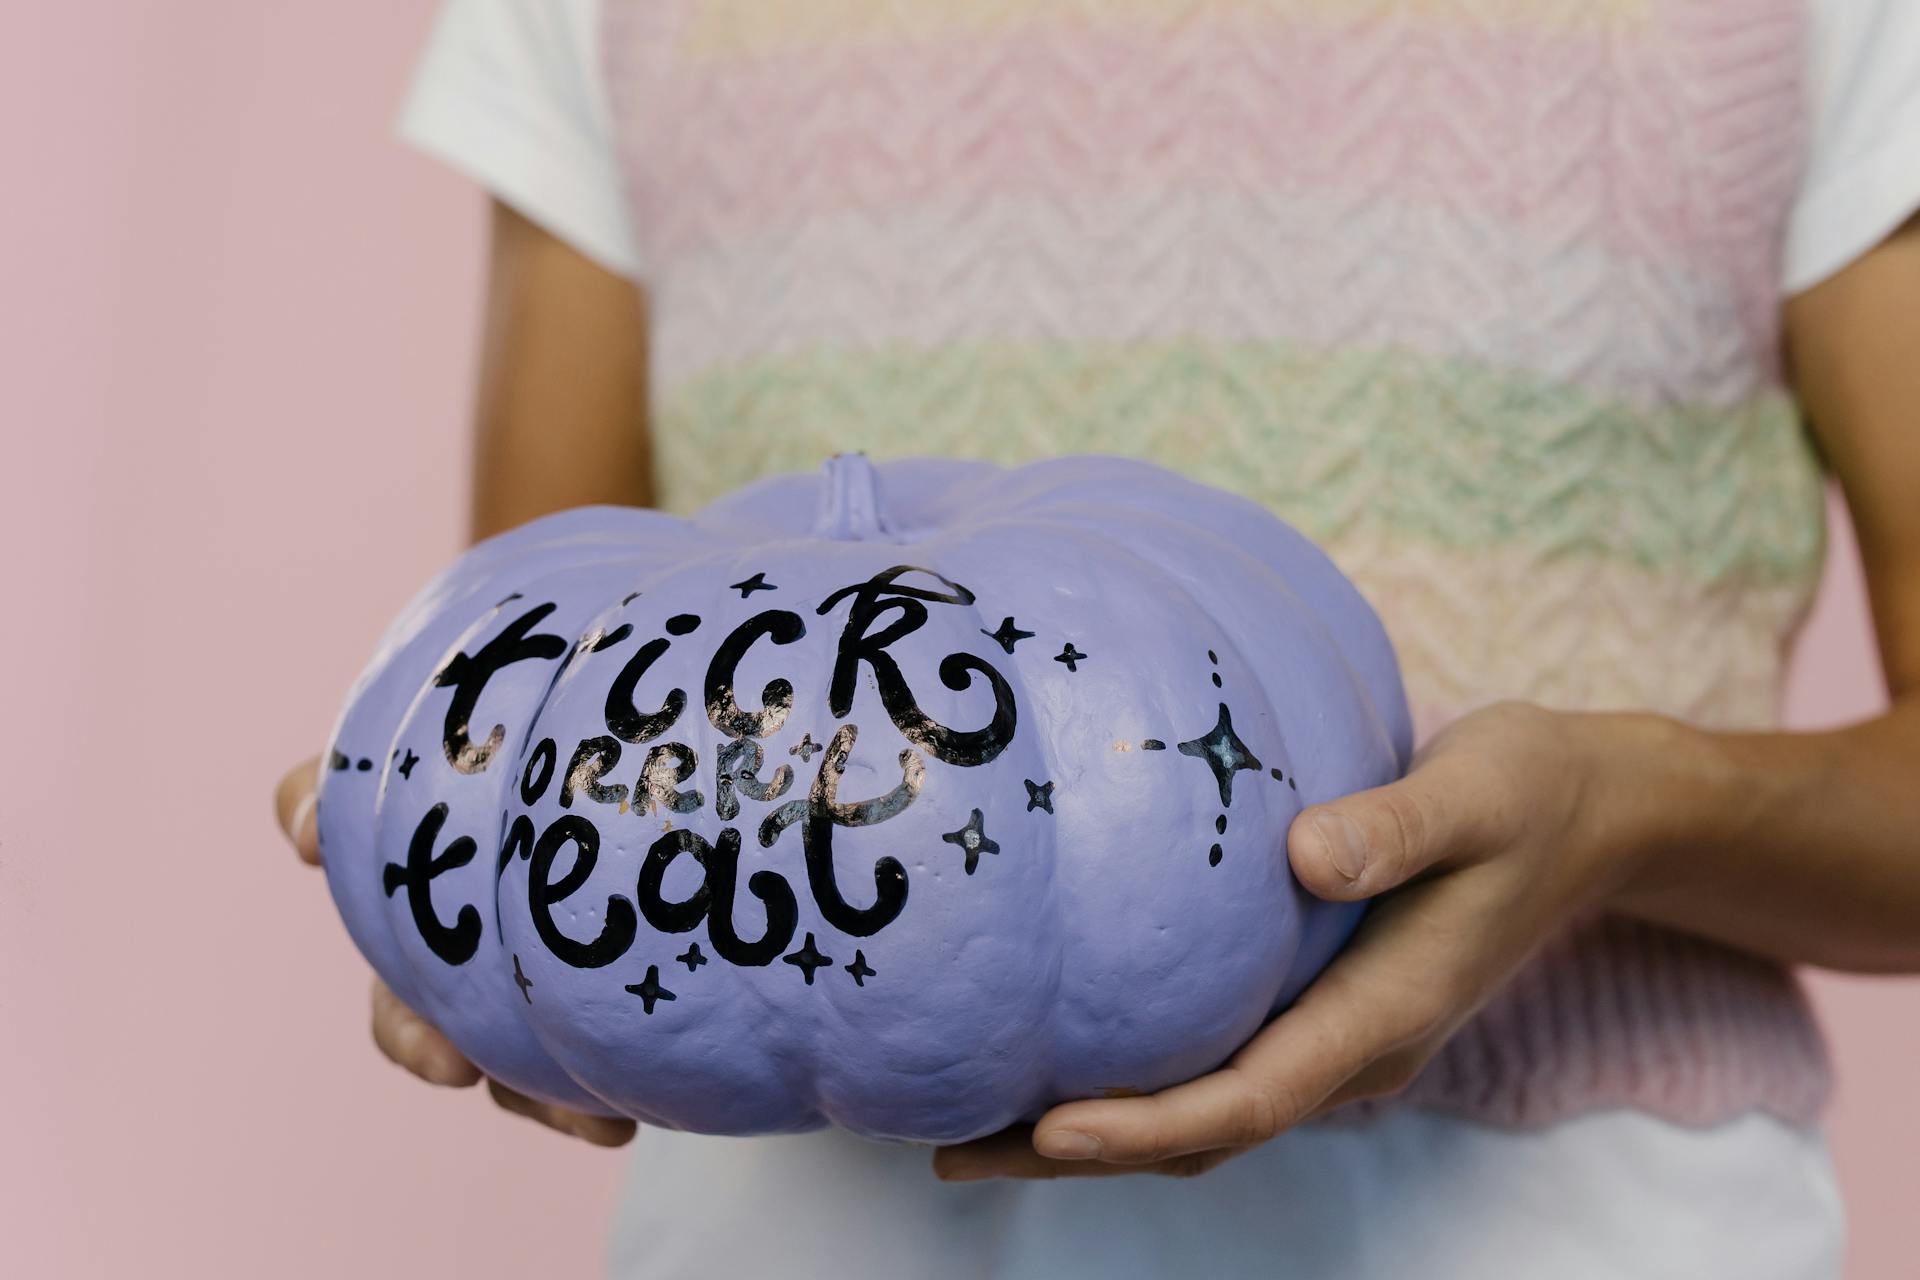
(1481, 294)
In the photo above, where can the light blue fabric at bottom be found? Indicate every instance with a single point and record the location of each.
(1615, 1195)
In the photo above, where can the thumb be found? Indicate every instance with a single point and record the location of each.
(1372, 841)
(293, 805)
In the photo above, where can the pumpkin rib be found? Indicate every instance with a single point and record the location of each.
(968, 621)
(1064, 516)
(616, 552)
(699, 564)
(640, 583)
(1335, 923)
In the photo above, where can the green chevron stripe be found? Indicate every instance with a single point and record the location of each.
(1345, 443)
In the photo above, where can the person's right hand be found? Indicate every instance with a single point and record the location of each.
(403, 1035)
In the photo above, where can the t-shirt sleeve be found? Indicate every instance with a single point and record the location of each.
(510, 93)
(1862, 176)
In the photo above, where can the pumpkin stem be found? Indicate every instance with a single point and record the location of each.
(851, 507)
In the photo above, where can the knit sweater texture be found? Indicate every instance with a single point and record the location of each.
(1482, 295)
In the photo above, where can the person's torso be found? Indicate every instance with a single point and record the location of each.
(1481, 296)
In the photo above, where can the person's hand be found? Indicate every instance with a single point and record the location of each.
(1509, 823)
(403, 1035)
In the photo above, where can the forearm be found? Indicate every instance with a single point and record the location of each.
(1807, 846)
(1802, 846)
(560, 418)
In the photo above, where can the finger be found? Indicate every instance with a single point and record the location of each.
(1010, 1154)
(293, 805)
(412, 1042)
(1397, 984)
(601, 1131)
(1444, 812)
(1379, 1079)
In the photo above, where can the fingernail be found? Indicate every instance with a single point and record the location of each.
(451, 1074)
(1346, 846)
(955, 1168)
(302, 810)
(1068, 1144)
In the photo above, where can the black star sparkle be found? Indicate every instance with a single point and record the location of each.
(691, 958)
(1008, 635)
(758, 582)
(808, 958)
(1070, 656)
(407, 762)
(859, 969)
(1039, 795)
(805, 748)
(1223, 752)
(974, 840)
(521, 980)
(650, 989)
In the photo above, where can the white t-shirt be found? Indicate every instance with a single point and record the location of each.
(509, 92)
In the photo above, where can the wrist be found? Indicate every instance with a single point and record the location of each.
(1678, 793)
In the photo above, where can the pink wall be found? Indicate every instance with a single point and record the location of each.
(223, 292)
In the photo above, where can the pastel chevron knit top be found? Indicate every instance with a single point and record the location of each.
(1482, 295)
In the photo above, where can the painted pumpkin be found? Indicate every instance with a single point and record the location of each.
(910, 798)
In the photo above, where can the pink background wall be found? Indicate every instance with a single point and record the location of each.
(236, 330)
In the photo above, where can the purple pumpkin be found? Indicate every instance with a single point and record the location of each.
(911, 798)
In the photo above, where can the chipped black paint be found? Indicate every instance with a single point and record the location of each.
(467, 675)
(861, 643)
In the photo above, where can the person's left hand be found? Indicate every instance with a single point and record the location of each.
(1511, 822)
